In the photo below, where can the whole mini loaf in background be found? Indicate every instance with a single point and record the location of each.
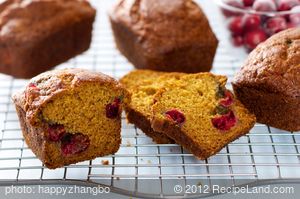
(38, 35)
(164, 35)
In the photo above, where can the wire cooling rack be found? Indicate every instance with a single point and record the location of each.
(265, 153)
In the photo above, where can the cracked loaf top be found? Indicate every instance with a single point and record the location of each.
(274, 66)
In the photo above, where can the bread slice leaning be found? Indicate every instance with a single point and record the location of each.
(199, 113)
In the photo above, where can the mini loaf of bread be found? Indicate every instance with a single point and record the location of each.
(199, 113)
(164, 35)
(36, 35)
(71, 115)
(269, 82)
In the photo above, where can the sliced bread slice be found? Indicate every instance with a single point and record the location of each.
(199, 113)
(143, 85)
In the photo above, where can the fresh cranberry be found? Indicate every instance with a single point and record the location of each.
(251, 22)
(74, 143)
(295, 18)
(224, 122)
(248, 2)
(227, 100)
(176, 116)
(275, 25)
(284, 5)
(253, 38)
(56, 132)
(238, 41)
(113, 109)
(236, 26)
(233, 3)
(264, 5)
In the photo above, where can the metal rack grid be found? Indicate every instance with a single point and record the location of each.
(265, 153)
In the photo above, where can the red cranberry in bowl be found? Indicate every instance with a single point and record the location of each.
(261, 20)
(238, 41)
(253, 38)
(275, 25)
(284, 5)
(248, 3)
(295, 18)
(236, 26)
(233, 3)
(291, 25)
(251, 22)
(264, 5)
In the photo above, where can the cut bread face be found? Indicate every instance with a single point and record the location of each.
(86, 128)
(199, 113)
(143, 85)
(71, 115)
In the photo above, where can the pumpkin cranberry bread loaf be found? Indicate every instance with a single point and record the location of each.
(71, 115)
(36, 35)
(199, 113)
(269, 82)
(143, 84)
(165, 35)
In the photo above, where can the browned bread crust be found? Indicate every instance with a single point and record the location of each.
(38, 35)
(167, 35)
(269, 82)
(143, 122)
(53, 85)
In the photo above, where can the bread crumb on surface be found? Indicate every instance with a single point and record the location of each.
(104, 162)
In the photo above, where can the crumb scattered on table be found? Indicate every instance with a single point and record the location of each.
(104, 162)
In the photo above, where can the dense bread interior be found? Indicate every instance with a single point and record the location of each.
(83, 111)
(198, 92)
(192, 104)
(143, 85)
